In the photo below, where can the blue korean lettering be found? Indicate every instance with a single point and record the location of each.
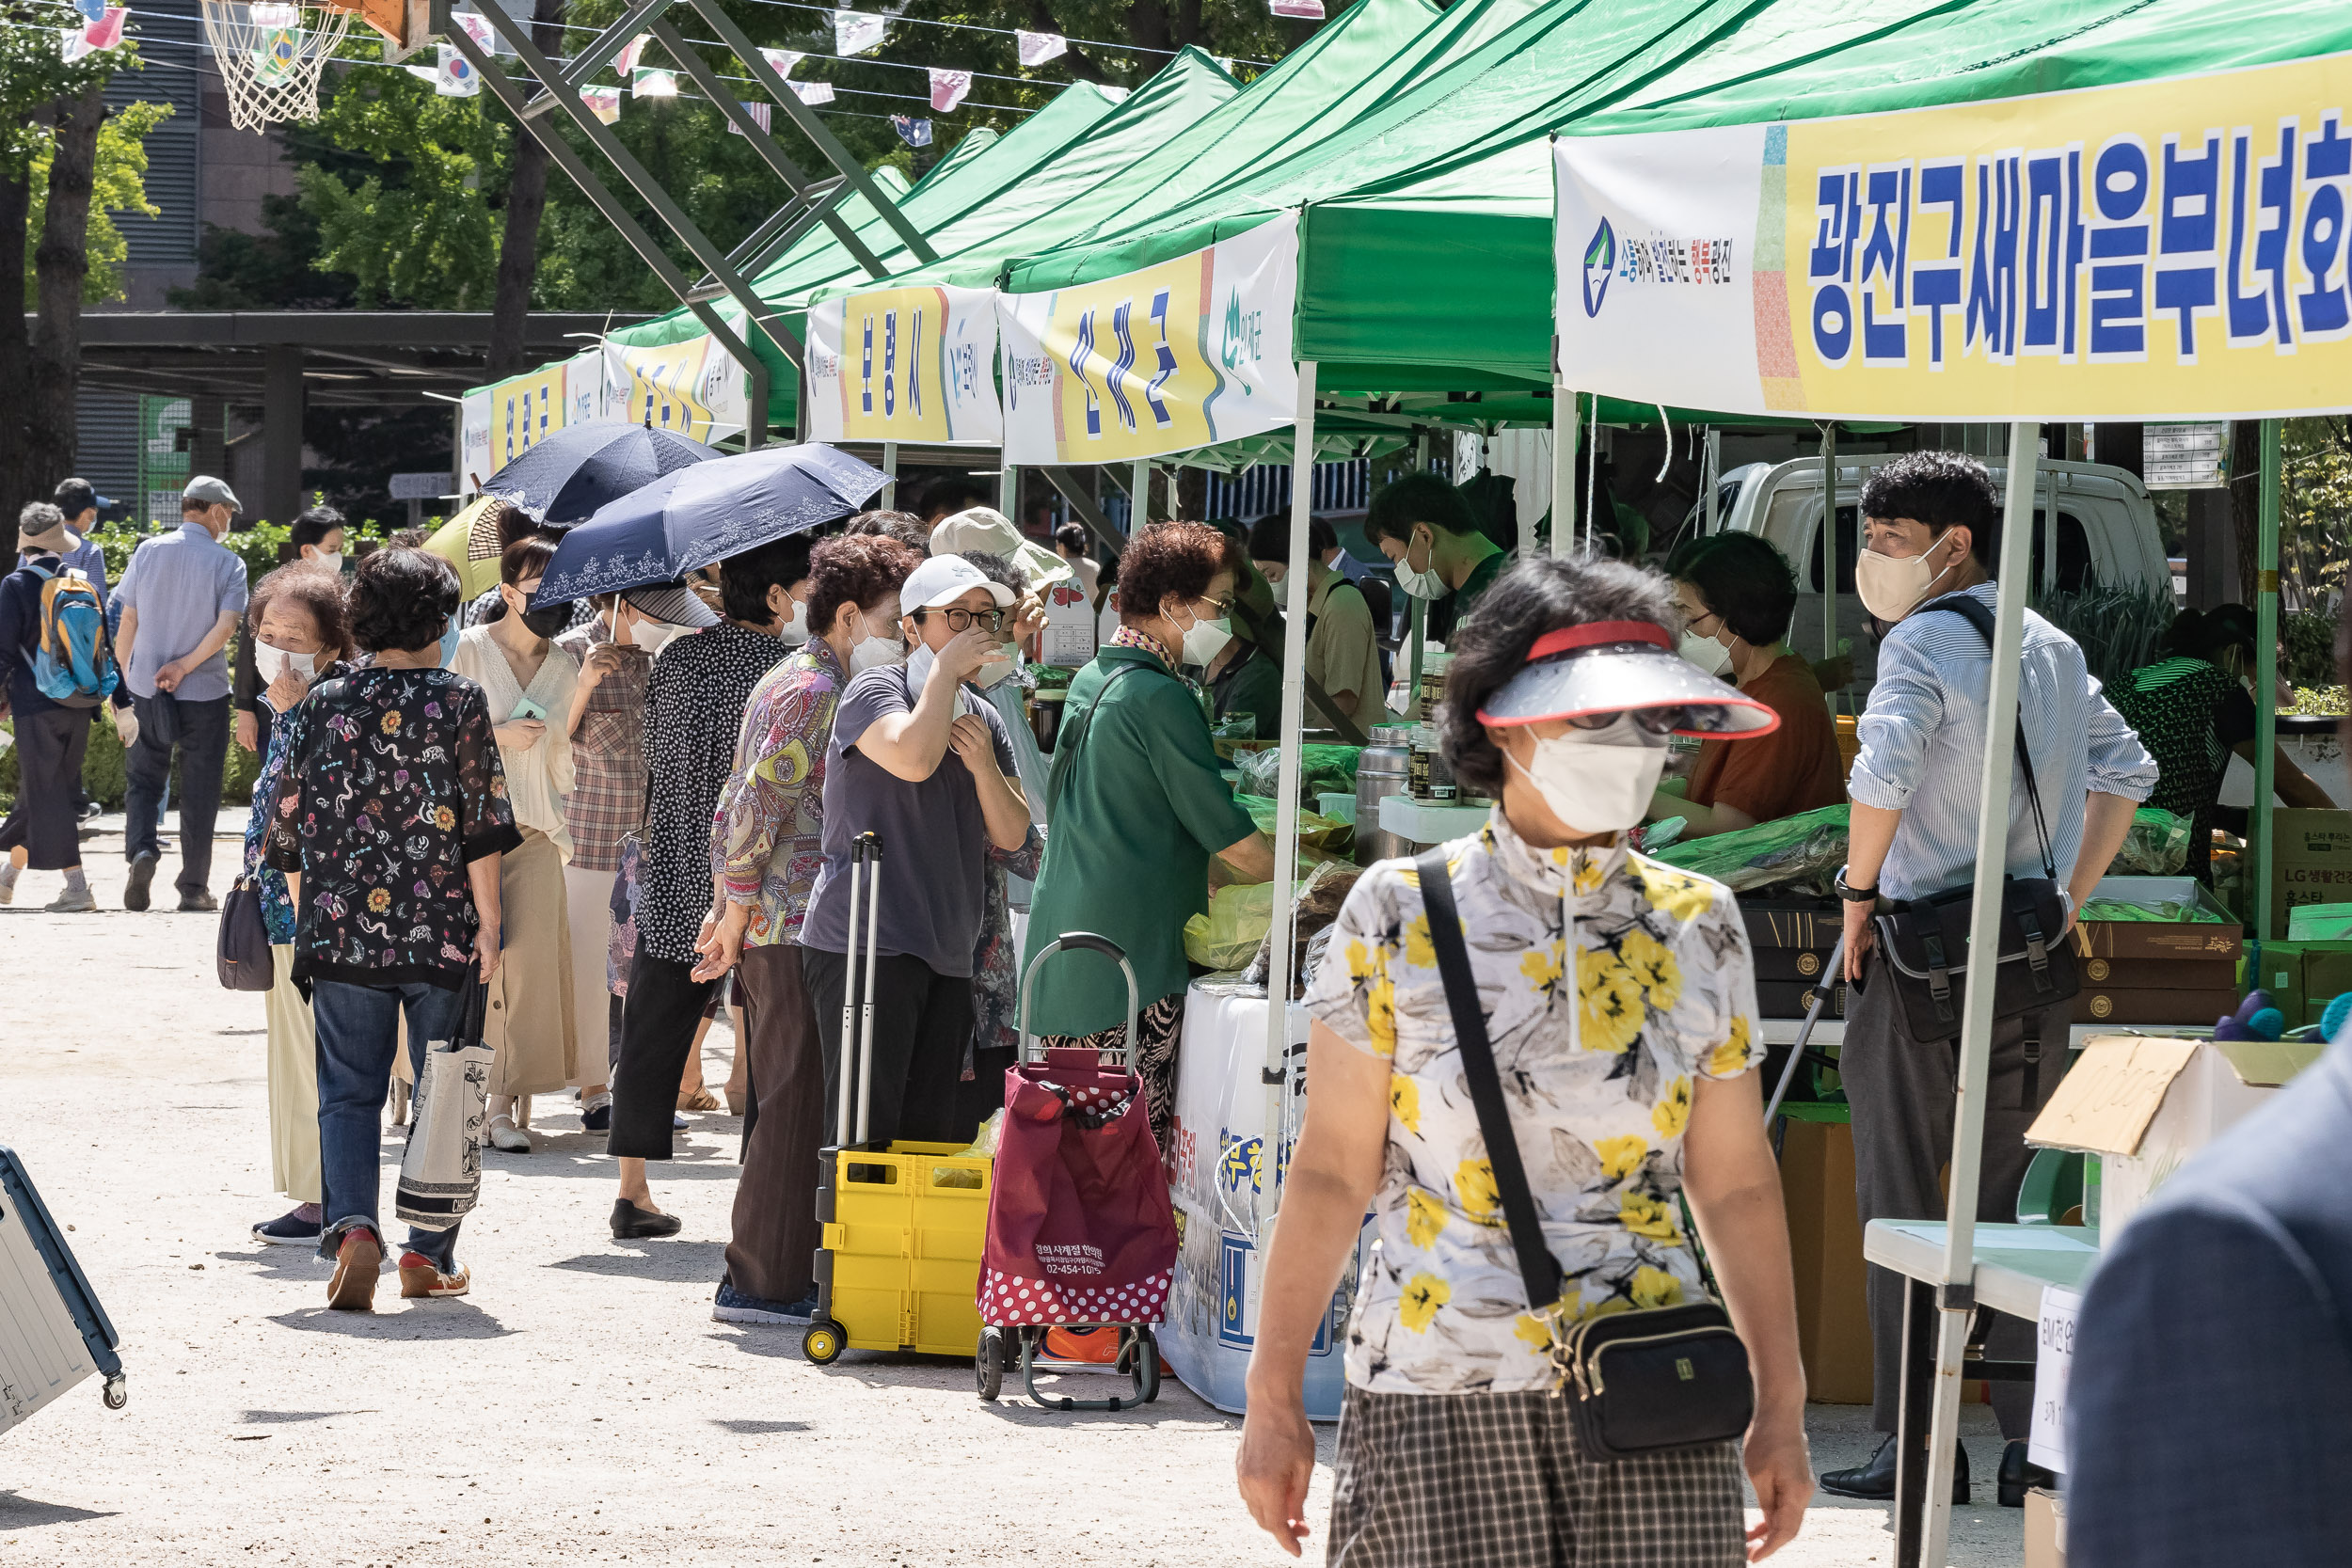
(1838, 205)
(1167, 356)
(1883, 255)
(865, 370)
(890, 364)
(914, 368)
(1125, 363)
(2325, 310)
(2264, 190)
(1935, 289)
(2187, 225)
(2054, 250)
(1079, 353)
(2120, 185)
(1992, 318)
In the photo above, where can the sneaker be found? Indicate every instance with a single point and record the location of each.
(422, 1276)
(7, 893)
(73, 900)
(287, 1229)
(732, 1306)
(678, 1122)
(142, 876)
(596, 1115)
(507, 1136)
(358, 1261)
(198, 902)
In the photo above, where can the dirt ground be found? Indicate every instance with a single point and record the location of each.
(580, 1406)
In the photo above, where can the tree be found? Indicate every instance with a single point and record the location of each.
(526, 208)
(117, 185)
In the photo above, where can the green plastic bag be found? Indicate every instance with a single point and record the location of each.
(1230, 935)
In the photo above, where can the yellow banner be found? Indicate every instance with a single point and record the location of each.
(664, 384)
(914, 365)
(524, 409)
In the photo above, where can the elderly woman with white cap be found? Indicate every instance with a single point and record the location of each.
(926, 768)
(1525, 1167)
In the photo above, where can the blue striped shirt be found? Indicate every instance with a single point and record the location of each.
(1923, 738)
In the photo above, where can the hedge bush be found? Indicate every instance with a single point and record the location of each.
(104, 776)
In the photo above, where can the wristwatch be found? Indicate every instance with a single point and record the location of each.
(1853, 894)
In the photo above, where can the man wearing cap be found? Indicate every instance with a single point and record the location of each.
(79, 502)
(181, 596)
(1930, 527)
(927, 768)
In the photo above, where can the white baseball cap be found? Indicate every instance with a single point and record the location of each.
(944, 579)
(984, 527)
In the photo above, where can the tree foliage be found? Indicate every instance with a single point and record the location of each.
(121, 186)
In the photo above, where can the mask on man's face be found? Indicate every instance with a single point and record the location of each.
(1425, 583)
(1891, 587)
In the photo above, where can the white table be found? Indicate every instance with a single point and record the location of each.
(2013, 1262)
(1427, 821)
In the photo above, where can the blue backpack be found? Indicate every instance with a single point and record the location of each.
(73, 664)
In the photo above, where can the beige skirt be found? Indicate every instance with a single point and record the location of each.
(589, 895)
(294, 1084)
(529, 1023)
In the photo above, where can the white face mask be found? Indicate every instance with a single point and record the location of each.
(1420, 585)
(652, 635)
(1273, 574)
(332, 563)
(1891, 587)
(1204, 639)
(919, 664)
(1705, 652)
(795, 631)
(273, 662)
(1598, 781)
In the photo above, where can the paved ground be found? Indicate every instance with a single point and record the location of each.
(581, 1406)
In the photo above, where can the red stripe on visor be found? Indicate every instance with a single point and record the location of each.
(1595, 633)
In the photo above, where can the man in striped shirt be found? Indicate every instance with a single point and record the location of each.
(1931, 528)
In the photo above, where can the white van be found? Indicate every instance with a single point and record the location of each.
(2106, 532)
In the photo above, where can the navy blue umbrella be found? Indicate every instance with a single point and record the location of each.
(696, 515)
(562, 478)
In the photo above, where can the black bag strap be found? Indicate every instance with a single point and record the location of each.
(1972, 610)
(1538, 1269)
(1067, 743)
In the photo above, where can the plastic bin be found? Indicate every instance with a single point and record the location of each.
(898, 1265)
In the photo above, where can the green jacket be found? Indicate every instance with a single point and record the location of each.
(1142, 807)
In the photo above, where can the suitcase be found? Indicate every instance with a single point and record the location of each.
(53, 1332)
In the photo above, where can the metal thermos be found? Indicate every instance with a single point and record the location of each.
(1384, 768)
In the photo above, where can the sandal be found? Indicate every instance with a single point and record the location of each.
(738, 1101)
(504, 1134)
(697, 1100)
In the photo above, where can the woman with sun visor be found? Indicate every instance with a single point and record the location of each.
(1617, 996)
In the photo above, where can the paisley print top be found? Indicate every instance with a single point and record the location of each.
(767, 844)
(1597, 1034)
(391, 788)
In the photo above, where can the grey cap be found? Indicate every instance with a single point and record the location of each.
(212, 492)
(671, 603)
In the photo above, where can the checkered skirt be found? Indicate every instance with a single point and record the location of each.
(1496, 1480)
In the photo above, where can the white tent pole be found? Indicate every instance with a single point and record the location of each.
(1562, 469)
(890, 472)
(1139, 494)
(1956, 1296)
(1286, 931)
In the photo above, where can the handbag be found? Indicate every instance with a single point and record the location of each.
(1926, 939)
(1637, 1381)
(440, 1170)
(242, 950)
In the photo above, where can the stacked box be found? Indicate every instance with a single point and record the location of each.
(2173, 971)
(1793, 937)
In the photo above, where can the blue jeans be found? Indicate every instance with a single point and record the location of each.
(357, 1033)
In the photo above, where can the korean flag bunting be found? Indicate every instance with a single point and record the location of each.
(455, 77)
(949, 88)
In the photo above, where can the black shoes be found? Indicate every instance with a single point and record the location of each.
(2018, 1475)
(1875, 1482)
(142, 875)
(632, 1224)
(198, 902)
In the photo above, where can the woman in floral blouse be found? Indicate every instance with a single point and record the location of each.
(389, 823)
(1620, 1000)
(298, 631)
(767, 844)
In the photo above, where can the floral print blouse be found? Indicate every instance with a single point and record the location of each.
(1597, 1036)
(766, 843)
(391, 789)
(277, 914)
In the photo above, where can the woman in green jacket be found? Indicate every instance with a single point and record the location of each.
(1139, 806)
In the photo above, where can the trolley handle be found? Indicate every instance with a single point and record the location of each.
(1092, 943)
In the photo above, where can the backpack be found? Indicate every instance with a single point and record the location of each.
(73, 663)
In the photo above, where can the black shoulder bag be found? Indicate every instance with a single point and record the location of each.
(1639, 1382)
(1926, 939)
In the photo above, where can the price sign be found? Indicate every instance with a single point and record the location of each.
(2053, 1362)
(2185, 456)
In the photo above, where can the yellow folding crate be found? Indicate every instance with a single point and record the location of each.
(900, 1264)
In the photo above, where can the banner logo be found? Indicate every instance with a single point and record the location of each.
(1600, 260)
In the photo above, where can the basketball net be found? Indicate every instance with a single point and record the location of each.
(269, 57)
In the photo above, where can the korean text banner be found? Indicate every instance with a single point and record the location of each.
(692, 386)
(905, 365)
(525, 410)
(2161, 249)
(1182, 355)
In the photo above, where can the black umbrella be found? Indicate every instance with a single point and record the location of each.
(565, 476)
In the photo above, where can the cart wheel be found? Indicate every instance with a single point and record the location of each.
(116, 1394)
(1147, 1365)
(823, 1341)
(988, 1364)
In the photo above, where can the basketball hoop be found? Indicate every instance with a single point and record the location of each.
(269, 57)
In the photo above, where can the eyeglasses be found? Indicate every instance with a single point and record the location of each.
(965, 620)
(1655, 720)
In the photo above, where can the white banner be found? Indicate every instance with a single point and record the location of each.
(584, 387)
(916, 365)
(2157, 250)
(474, 462)
(692, 386)
(1182, 355)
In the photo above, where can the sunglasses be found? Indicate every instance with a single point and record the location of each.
(1652, 720)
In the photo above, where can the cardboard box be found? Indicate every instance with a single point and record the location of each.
(1791, 998)
(2311, 861)
(2045, 1529)
(1825, 1242)
(2195, 1009)
(2320, 923)
(2326, 973)
(2277, 967)
(2218, 939)
(1792, 938)
(2145, 1105)
(2197, 973)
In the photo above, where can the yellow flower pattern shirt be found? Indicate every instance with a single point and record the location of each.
(1596, 1052)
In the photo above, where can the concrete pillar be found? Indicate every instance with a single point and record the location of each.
(282, 407)
(208, 449)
